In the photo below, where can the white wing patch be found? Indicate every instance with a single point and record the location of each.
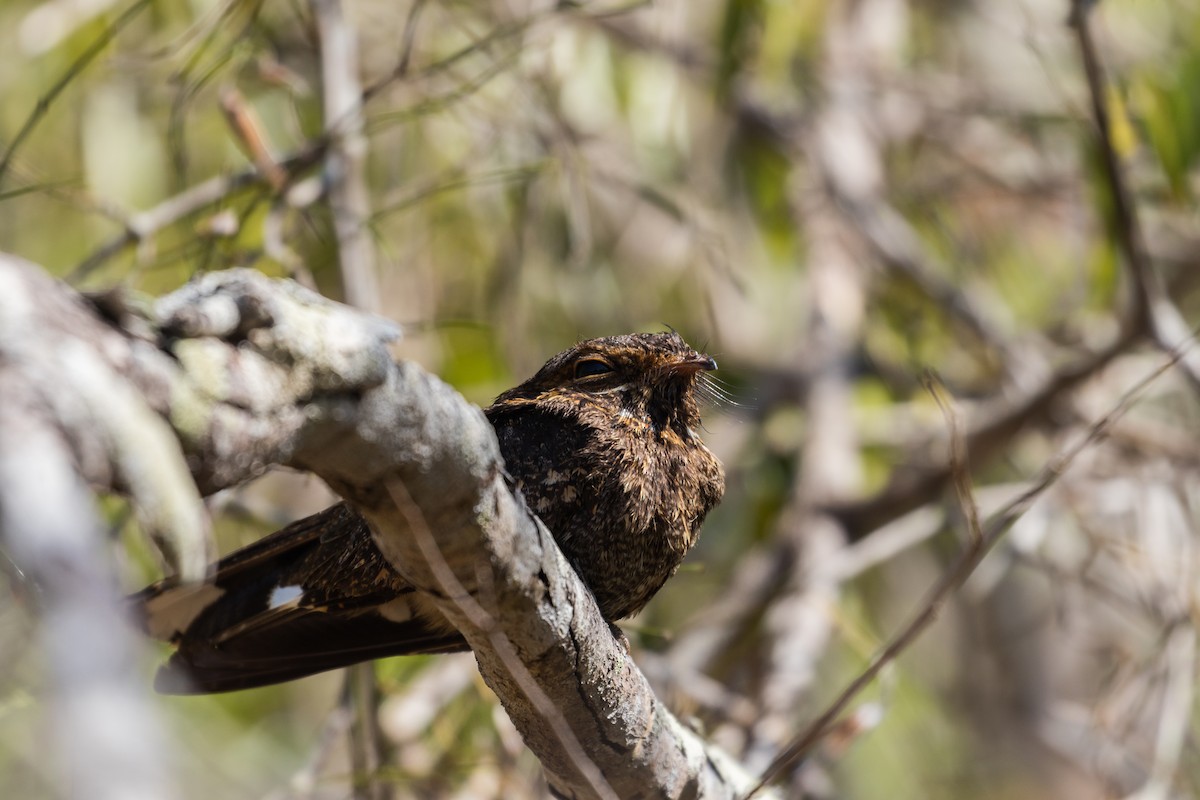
(282, 595)
(398, 610)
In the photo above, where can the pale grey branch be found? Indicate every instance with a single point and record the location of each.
(252, 372)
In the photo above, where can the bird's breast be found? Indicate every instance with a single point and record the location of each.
(623, 499)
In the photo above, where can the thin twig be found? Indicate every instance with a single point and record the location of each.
(145, 224)
(409, 40)
(886, 542)
(360, 699)
(345, 165)
(1153, 309)
(915, 485)
(1174, 719)
(250, 136)
(959, 466)
(966, 563)
(402, 68)
(75, 70)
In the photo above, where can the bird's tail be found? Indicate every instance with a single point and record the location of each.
(314, 596)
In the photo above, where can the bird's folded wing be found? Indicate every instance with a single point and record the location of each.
(314, 596)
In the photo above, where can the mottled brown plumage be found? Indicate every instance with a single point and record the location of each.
(601, 442)
(611, 461)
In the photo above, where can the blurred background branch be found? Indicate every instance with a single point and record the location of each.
(345, 181)
(833, 198)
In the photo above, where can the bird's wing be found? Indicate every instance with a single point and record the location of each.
(313, 596)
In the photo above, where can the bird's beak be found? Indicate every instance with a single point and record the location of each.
(697, 363)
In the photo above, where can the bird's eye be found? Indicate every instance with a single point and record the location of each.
(591, 366)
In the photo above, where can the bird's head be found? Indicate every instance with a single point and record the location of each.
(640, 377)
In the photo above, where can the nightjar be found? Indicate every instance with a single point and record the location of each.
(603, 444)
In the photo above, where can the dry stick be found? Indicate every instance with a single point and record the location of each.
(250, 137)
(997, 526)
(409, 40)
(1153, 312)
(144, 224)
(1153, 307)
(191, 200)
(1174, 719)
(959, 463)
(345, 165)
(401, 70)
(360, 701)
(453, 590)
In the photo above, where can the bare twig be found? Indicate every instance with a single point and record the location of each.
(964, 565)
(145, 224)
(345, 164)
(360, 699)
(914, 485)
(885, 542)
(958, 456)
(1153, 309)
(251, 138)
(497, 34)
(1175, 716)
(75, 70)
(409, 41)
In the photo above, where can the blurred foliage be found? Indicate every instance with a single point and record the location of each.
(543, 172)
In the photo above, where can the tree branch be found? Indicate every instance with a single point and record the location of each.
(252, 372)
(59, 409)
(345, 165)
(1153, 309)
